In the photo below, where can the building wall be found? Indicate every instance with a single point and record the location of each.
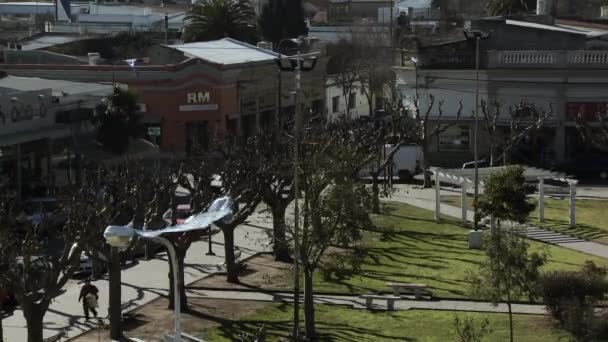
(358, 109)
(559, 92)
(241, 98)
(37, 57)
(31, 111)
(356, 10)
(588, 9)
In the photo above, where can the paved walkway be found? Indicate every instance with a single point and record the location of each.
(425, 199)
(358, 303)
(142, 283)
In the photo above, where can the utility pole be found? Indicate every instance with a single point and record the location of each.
(296, 212)
(477, 36)
(296, 174)
(166, 29)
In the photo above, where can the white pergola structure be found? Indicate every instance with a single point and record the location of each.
(464, 179)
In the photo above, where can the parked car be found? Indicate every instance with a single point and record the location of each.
(87, 263)
(587, 167)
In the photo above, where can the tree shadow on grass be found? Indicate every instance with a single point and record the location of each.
(580, 230)
(326, 331)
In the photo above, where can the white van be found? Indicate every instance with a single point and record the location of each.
(406, 163)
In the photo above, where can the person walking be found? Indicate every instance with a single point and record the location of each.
(89, 296)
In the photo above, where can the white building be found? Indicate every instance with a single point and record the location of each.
(561, 76)
(353, 104)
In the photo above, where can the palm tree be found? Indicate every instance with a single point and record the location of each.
(509, 7)
(217, 19)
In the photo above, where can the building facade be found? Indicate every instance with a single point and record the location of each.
(191, 93)
(569, 82)
(39, 121)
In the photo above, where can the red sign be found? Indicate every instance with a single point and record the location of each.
(586, 111)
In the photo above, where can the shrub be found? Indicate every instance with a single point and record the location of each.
(468, 331)
(570, 297)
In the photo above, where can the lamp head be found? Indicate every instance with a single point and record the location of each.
(119, 236)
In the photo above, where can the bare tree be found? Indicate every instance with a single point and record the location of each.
(374, 144)
(521, 121)
(343, 70)
(276, 187)
(594, 130)
(427, 131)
(240, 179)
(36, 264)
(373, 63)
(334, 211)
(196, 176)
(118, 195)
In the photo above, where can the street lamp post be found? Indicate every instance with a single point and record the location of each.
(210, 247)
(477, 36)
(121, 236)
(297, 68)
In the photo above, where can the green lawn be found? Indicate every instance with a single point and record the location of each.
(341, 324)
(591, 222)
(410, 246)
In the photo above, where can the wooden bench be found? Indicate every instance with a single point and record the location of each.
(390, 300)
(418, 289)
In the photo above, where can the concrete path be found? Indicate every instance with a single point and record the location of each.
(425, 199)
(357, 303)
(141, 283)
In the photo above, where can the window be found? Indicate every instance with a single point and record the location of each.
(317, 107)
(352, 100)
(455, 138)
(335, 104)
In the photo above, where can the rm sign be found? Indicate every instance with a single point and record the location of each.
(197, 98)
(198, 101)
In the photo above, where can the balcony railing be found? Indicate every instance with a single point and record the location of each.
(580, 59)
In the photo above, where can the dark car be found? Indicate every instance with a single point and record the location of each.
(587, 167)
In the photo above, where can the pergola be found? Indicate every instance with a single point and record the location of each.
(464, 178)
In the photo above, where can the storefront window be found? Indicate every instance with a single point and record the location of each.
(455, 138)
(154, 134)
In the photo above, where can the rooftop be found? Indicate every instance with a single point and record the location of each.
(530, 174)
(12, 84)
(48, 39)
(225, 51)
(572, 29)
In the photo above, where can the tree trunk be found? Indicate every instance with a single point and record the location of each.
(280, 246)
(115, 295)
(375, 194)
(309, 306)
(232, 274)
(182, 288)
(425, 165)
(510, 322)
(34, 316)
(34, 328)
(491, 149)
